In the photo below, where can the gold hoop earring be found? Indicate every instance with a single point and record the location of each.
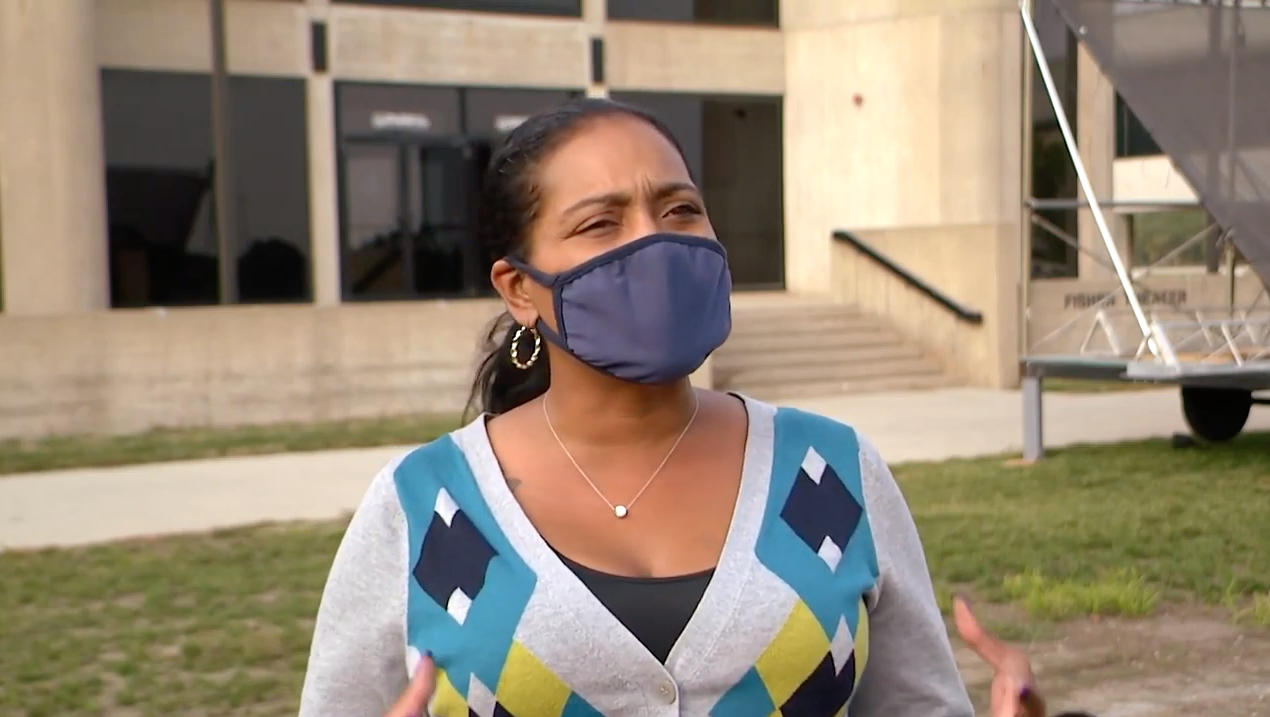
(515, 348)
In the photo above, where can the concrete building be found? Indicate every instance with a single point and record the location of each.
(356, 129)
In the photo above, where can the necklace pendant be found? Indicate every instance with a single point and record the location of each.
(620, 511)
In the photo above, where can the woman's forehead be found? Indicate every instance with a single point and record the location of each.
(617, 153)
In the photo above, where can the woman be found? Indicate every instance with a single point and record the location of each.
(607, 540)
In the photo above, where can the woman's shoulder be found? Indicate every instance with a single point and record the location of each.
(441, 476)
(813, 438)
(800, 425)
(437, 462)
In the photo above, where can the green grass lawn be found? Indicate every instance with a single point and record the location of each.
(219, 624)
(186, 444)
(1073, 385)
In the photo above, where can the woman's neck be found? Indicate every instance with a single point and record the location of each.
(611, 412)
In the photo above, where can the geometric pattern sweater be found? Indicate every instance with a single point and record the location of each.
(821, 604)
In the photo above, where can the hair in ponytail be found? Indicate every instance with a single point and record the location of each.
(508, 207)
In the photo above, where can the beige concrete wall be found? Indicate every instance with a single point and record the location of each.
(1149, 179)
(369, 43)
(687, 58)
(902, 124)
(128, 371)
(52, 185)
(263, 38)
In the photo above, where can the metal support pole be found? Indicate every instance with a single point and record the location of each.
(1212, 256)
(1073, 152)
(226, 217)
(1025, 179)
(1033, 420)
(1232, 167)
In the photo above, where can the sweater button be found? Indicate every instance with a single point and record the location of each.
(667, 692)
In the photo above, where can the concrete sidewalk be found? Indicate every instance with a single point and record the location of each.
(95, 505)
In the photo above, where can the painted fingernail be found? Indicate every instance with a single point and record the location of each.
(1025, 693)
(427, 654)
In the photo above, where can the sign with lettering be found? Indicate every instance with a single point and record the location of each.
(1081, 300)
(506, 123)
(1061, 312)
(414, 121)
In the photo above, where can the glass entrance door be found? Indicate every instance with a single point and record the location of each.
(409, 218)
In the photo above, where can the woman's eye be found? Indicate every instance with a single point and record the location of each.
(598, 225)
(685, 209)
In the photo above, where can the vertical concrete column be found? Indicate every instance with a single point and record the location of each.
(324, 219)
(902, 125)
(53, 248)
(1095, 118)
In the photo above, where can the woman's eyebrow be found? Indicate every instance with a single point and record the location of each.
(608, 199)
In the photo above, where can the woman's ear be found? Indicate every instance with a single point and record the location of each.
(511, 287)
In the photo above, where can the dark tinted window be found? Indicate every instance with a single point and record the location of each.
(1053, 175)
(491, 114)
(159, 171)
(1132, 138)
(717, 12)
(564, 8)
(411, 161)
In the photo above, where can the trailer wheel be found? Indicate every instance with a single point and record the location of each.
(1216, 415)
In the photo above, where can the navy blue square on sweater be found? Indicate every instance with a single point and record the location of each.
(821, 507)
(454, 556)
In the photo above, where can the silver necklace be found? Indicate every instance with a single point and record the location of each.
(620, 510)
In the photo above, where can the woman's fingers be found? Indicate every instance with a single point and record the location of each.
(414, 701)
(988, 648)
(1013, 691)
(1005, 697)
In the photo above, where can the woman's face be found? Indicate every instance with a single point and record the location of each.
(617, 179)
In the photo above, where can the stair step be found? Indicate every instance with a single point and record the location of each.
(791, 320)
(760, 312)
(799, 339)
(779, 354)
(818, 389)
(790, 346)
(830, 373)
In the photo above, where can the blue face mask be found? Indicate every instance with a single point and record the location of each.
(650, 311)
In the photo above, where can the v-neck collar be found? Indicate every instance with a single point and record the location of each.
(711, 618)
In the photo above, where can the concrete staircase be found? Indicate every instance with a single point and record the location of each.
(785, 347)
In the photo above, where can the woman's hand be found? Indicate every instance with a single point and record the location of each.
(414, 701)
(1013, 684)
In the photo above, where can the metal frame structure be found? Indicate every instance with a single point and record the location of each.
(1218, 347)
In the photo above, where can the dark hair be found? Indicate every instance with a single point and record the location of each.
(508, 207)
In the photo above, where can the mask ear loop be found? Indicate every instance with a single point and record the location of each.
(548, 281)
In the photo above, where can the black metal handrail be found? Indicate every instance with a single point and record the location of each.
(963, 313)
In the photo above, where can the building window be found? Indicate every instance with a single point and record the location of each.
(1132, 137)
(1155, 235)
(1053, 174)
(763, 13)
(411, 163)
(159, 188)
(734, 148)
(557, 8)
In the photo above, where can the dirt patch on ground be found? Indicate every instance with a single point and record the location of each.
(1182, 662)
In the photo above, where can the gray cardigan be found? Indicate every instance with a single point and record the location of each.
(821, 604)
